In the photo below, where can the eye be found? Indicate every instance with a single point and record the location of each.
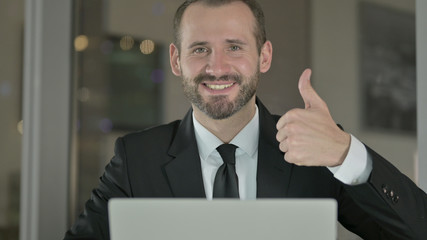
(200, 50)
(235, 48)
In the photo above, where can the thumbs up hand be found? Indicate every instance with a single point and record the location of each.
(310, 137)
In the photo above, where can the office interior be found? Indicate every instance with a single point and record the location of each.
(75, 75)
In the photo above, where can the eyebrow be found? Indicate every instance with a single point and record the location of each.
(235, 41)
(197, 44)
(229, 41)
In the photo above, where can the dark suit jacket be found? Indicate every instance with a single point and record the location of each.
(164, 162)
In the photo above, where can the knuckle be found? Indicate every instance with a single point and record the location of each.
(279, 136)
(298, 112)
(282, 134)
(283, 147)
(296, 158)
(291, 128)
(292, 140)
(288, 157)
(292, 114)
(280, 123)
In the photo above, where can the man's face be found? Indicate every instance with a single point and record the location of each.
(219, 60)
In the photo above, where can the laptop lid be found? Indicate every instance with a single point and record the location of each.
(189, 219)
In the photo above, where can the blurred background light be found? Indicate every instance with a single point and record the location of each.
(126, 43)
(20, 127)
(81, 42)
(147, 46)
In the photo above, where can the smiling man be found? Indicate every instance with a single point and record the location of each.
(229, 145)
(220, 61)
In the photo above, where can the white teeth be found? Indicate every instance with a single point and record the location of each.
(219, 87)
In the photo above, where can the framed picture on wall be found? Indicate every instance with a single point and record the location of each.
(387, 68)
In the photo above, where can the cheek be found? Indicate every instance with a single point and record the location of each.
(192, 67)
(247, 63)
(248, 67)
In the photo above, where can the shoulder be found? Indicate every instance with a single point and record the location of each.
(276, 117)
(265, 116)
(161, 135)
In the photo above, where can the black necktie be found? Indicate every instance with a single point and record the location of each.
(226, 182)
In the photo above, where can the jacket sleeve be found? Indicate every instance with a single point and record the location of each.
(392, 200)
(114, 183)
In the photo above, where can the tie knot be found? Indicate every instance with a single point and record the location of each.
(227, 152)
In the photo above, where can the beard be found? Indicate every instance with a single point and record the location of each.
(219, 107)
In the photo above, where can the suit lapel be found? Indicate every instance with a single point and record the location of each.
(273, 173)
(184, 172)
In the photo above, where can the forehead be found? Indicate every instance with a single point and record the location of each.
(231, 20)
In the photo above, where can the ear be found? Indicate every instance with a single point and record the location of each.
(266, 57)
(174, 60)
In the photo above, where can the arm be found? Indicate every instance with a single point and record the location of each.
(93, 222)
(310, 137)
(392, 199)
(388, 183)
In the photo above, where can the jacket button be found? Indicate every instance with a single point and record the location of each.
(391, 193)
(385, 188)
(395, 199)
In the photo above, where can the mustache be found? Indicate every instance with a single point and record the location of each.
(206, 77)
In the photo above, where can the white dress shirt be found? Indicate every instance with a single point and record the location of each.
(355, 169)
(246, 157)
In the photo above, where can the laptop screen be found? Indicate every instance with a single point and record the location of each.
(222, 219)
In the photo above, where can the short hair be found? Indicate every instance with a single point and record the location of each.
(259, 31)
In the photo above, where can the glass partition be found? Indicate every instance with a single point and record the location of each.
(11, 35)
(119, 78)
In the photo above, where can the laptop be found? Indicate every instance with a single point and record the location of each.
(191, 219)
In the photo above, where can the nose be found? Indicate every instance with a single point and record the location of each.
(218, 64)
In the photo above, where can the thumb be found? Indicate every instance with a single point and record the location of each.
(308, 94)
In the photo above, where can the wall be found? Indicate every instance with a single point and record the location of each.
(335, 58)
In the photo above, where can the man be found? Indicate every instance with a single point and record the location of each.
(220, 49)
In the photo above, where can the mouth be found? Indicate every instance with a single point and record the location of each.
(218, 86)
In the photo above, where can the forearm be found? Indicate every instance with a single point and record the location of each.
(392, 200)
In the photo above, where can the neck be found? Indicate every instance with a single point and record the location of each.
(227, 129)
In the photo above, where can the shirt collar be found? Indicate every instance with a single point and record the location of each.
(247, 139)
